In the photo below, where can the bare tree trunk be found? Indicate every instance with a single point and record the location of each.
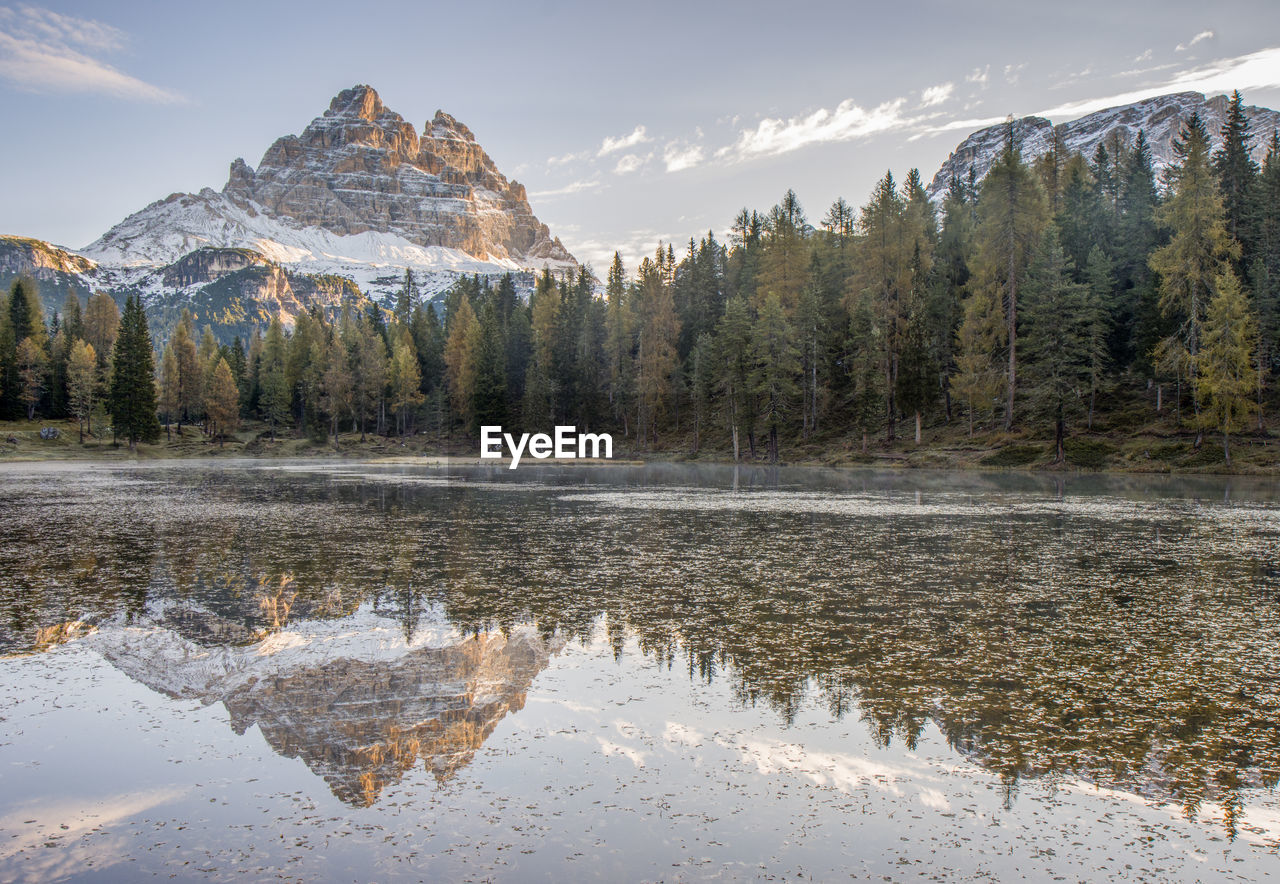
(917, 427)
(736, 452)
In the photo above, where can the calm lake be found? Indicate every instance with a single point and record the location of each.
(338, 671)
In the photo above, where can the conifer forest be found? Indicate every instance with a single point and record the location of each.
(1067, 297)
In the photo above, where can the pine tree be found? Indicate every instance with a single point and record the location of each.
(489, 405)
(733, 374)
(170, 399)
(459, 356)
(1237, 176)
(190, 381)
(656, 356)
(701, 382)
(224, 401)
(1058, 369)
(863, 359)
(32, 362)
(1096, 322)
(1226, 374)
(1200, 248)
(275, 400)
(775, 366)
(337, 381)
(101, 325)
(620, 342)
(82, 383)
(1011, 219)
(133, 388)
(406, 383)
(916, 390)
(978, 380)
(369, 365)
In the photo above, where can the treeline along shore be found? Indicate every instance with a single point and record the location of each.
(1071, 312)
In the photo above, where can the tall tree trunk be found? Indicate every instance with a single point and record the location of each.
(736, 453)
(1226, 448)
(917, 427)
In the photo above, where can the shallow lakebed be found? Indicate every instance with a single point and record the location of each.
(344, 671)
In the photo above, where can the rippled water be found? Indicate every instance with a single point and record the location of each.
(644, 673)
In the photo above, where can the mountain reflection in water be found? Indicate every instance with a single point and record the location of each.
(368, 620)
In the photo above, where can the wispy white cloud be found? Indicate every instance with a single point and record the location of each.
(1257, 70)
(936, 95)
(979, 75)
(565, 159)
(613, 145)
(970, 125)
(1013, 72)
(1139, 59)
(45, 51)
(848, 122)
(574, 187)
(677, 156)
(1198, 38)
(630, 162)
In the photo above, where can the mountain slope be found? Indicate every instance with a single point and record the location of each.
(1160, 118)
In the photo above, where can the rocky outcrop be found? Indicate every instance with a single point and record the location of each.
(358, 187)
(1160, 118)
(54, 269)
(206, 265)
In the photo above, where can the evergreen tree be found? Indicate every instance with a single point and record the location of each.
(275, 399)
(170, 398)
(224, 401)
(916, 390)
(1200, 248)
(406, 383)
(459, 356)
(133, 388)
(1237, 175)
(32, 365)
(774, 369)
(978, 380)
(1011, 220)
(656, 356)
(1096, 322)
(101, 325)
(733, 376)
(1225, 378)
(1058, 369)
(82, 383)
(489, 405)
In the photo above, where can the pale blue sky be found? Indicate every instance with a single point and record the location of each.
(109, 106)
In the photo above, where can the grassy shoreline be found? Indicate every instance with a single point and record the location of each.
(944, 447)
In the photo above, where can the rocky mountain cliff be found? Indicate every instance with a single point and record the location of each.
(1160, 118)
(341, 210)
(358, 186)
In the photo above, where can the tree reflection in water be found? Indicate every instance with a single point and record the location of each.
(1124, 633)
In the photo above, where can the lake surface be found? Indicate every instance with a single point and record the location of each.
(329, 671)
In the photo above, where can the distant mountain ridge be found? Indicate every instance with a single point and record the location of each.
(1160, 118)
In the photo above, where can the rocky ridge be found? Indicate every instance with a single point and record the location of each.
(1160, 118)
